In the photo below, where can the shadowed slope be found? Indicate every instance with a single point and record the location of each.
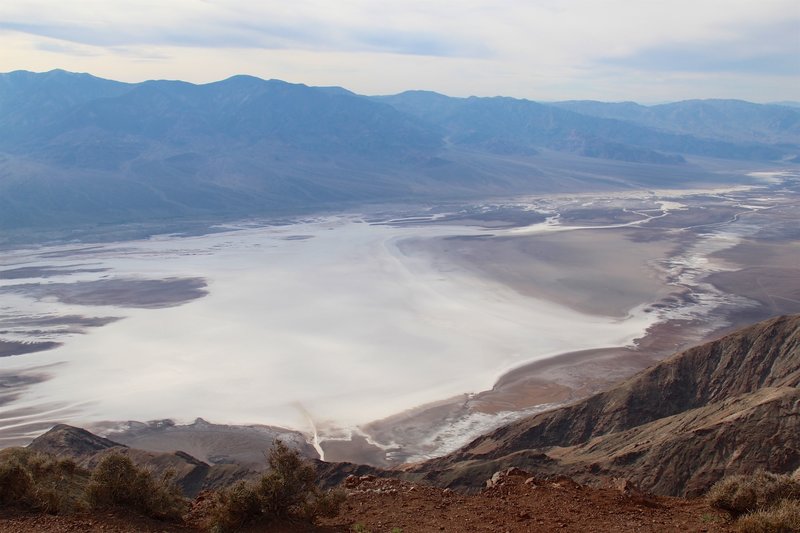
(724, 407)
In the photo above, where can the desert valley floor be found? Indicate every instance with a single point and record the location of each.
(394, 334)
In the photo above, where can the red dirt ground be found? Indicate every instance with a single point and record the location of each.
(516, 503)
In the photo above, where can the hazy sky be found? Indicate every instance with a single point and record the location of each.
(643, 50)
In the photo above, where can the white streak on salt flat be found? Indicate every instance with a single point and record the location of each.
(342, 324)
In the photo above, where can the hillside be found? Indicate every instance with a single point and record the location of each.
(725, 407)
(516, 501)
(76, 149)
(612, 462)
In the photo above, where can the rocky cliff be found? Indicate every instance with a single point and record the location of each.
(729, 406)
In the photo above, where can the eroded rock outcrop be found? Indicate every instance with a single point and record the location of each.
(728, 406)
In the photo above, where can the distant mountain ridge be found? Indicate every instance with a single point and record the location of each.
(478, 121)
(76, 149)
(731, 120)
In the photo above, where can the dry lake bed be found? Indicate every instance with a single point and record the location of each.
(391, 335)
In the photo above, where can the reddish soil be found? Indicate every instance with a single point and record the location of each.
(519, 503)
(13, 522)
(516, 503)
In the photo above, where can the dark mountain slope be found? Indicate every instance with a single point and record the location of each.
(509, 124)
(106, 152)
(724, 407)
(31, 103)
(75, 149)
(732, 120)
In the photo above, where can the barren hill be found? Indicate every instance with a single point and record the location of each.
(726, 407)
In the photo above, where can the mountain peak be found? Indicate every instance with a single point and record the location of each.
(69, 441)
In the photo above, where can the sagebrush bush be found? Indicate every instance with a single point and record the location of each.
(16, 484)
(288, 491)
(35, 481)
(781, 518)
(118, 483)
(741, 494)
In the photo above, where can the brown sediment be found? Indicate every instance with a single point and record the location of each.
(777, 289)
(595, 272)
(539, 385)
(9, 348)
(66, 323)
(141, 293)
(12, 384)
(355, 450)
(45, 272)
(21, 424)
(575, 375)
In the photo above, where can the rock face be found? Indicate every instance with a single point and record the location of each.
(729, 406)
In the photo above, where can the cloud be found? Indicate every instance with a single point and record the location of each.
(65, 48)
(236, 29)
(537, 49)
(710, 59)
(772, 49)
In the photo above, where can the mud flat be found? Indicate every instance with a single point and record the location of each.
(713, 265)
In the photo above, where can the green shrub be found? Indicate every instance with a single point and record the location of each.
(741, 494)
(288, 491)
(35, 481)
(118, 483)
(781, 518)
(235, 506)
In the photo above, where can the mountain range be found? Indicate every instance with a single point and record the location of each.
(78, 149)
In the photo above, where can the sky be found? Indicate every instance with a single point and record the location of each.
(647, 51)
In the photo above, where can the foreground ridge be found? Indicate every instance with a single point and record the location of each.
(726, 407)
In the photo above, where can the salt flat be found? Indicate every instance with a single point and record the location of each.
(340, 326)
(328, 324)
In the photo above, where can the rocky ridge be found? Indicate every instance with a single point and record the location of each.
(728, 406)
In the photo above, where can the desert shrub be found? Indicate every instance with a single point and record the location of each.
(236, 506)
(288, 491)
(36, 481)
(781, 518)
(742, 494)
(117, 483)
(16, 484)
